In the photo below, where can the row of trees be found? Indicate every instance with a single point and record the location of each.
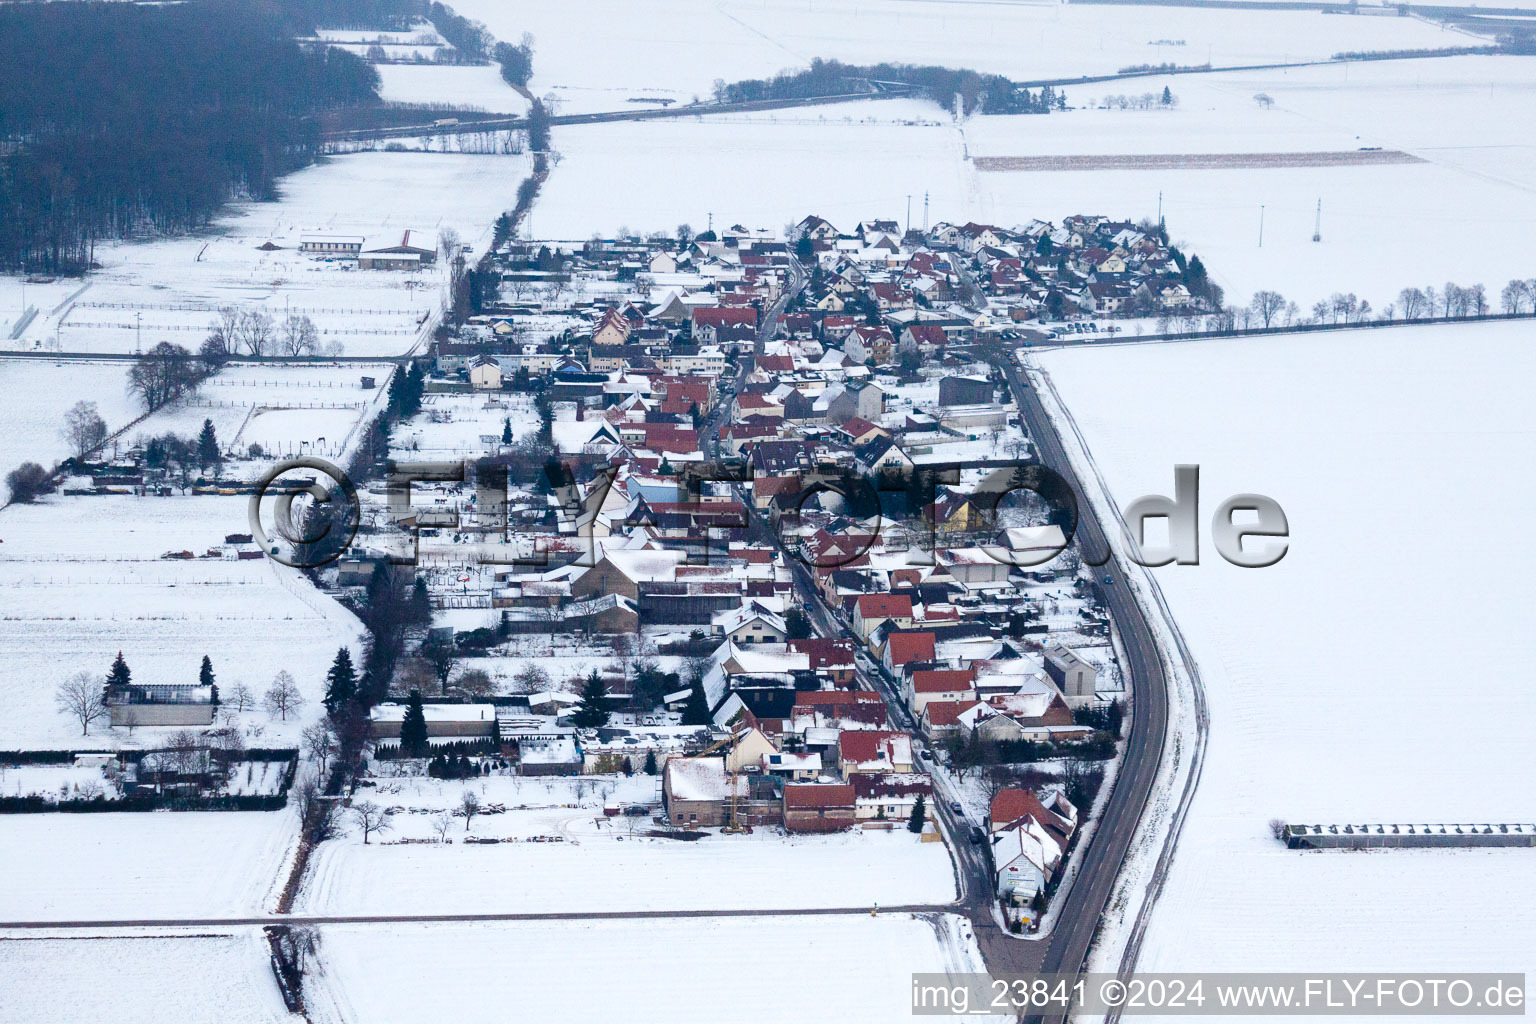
(1271, 309)
(253, 331)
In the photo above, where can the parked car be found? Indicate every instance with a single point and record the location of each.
(954, 805)
(977, 835)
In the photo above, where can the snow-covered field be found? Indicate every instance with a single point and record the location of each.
(82, 578)
(845, 162)
(677, 48)
(475, 85)
(1369, 675)
(767, 969)
(38, 393)
(168, 290)
(764, 870)
(139, 979)
(1472, 191)
(133, 866)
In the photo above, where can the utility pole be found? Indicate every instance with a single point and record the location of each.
(1317, 229)
(138, 333)
(1261, 225)
(909, 211)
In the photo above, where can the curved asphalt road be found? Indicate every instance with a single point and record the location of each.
(1099, 863)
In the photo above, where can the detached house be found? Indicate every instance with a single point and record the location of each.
(872, 610)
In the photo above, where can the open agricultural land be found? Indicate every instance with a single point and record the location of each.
(1326, 695)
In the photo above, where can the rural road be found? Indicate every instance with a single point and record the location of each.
(1100, 861)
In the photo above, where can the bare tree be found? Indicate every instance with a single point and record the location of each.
(469, 806)
(300, 336)
(282, 696)
(1267, 306)
(530, 679)
(1512, 297)
(441, 822)
(321, 744)
(316, 810)
(448, 244)
(475, 683)
(80, 697)
(84, 428)
(371, 819)
(254, 330)
(240, 698)
(1411, 302)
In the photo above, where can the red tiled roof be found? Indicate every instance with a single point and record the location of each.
(942, 680)
(814, 796)
(905, 647)
(1009, 805)
(863, 744)
(816, 698)
(722, 316)
(886, 606)
(947, 712)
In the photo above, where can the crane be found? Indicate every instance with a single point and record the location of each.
(733, 778)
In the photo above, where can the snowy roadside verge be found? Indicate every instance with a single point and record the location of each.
(1152, 849)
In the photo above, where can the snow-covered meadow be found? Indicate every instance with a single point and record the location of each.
(678, 48)
(139, 979)
(1379, 672)
(472, 85)
(564, 841)
(136, 866)
(38, 393)
(769, 969)
(82, 578)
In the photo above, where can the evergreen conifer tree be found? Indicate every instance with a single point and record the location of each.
(592, 712)
(341, 681)
(413, 728)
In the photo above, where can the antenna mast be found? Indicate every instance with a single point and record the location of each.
(1317, 230)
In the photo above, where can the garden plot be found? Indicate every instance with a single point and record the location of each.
(56, 782)
(628, 52)
(457, 426)
(133, 978)
(83, 578)
(134, 866)
(170, 290)
(286, 409)
(38, 393)
(1329, 701)
(555, 851)
(582, 971)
